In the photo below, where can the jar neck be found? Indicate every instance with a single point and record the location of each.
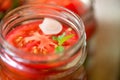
(21, 14)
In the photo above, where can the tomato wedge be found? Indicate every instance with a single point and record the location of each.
(27, 37)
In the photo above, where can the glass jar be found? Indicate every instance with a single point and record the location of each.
(7, 5)
(16, 64)
(84, 8)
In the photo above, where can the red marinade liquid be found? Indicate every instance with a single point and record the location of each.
(30, 38)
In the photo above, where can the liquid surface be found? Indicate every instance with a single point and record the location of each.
(30, 38)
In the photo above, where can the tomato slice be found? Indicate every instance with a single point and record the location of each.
(29, 38)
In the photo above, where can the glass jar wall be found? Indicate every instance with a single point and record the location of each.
(19, 64)
(84, 8)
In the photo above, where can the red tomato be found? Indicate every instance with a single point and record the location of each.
(72, 7)
(5, 4)
(27, 37)
(72, 40)
(76, 6)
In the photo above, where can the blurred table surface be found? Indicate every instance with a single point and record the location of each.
(104, 62)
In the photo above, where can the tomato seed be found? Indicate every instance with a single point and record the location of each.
(19, 39)
(35, 50)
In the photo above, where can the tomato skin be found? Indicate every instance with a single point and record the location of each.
(21, 31)
(71, 7)
(76, 6)
(5, 4)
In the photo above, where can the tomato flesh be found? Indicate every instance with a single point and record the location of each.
(29, 38)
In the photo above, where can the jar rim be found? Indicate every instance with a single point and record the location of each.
(12, 49)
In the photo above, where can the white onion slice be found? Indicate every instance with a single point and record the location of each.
(51, 26)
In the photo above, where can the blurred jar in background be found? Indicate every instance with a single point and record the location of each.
(84, 9)
(7, 5)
